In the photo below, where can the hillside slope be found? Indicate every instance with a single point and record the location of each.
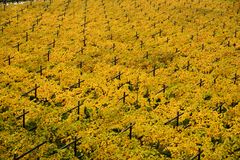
(120, 79)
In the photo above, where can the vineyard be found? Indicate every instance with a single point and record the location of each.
(120, 79)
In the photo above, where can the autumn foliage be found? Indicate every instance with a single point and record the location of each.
(120, 79)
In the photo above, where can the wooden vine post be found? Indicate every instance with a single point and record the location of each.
(175, 118)
(41, 70)
(124, 97)
(146, 55)
(164, 87)
(115, 60)
(235, 78)
(26, 36)
(34, 89)
(201, 83)
(23, 118)
(130, 128)
(48, 55)
(74, 142)
(33, 27)
(188, 65)
(9, 60)
(153, 71)
(76, 85)
(78, 110)
(118, 76)
(17, 46)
